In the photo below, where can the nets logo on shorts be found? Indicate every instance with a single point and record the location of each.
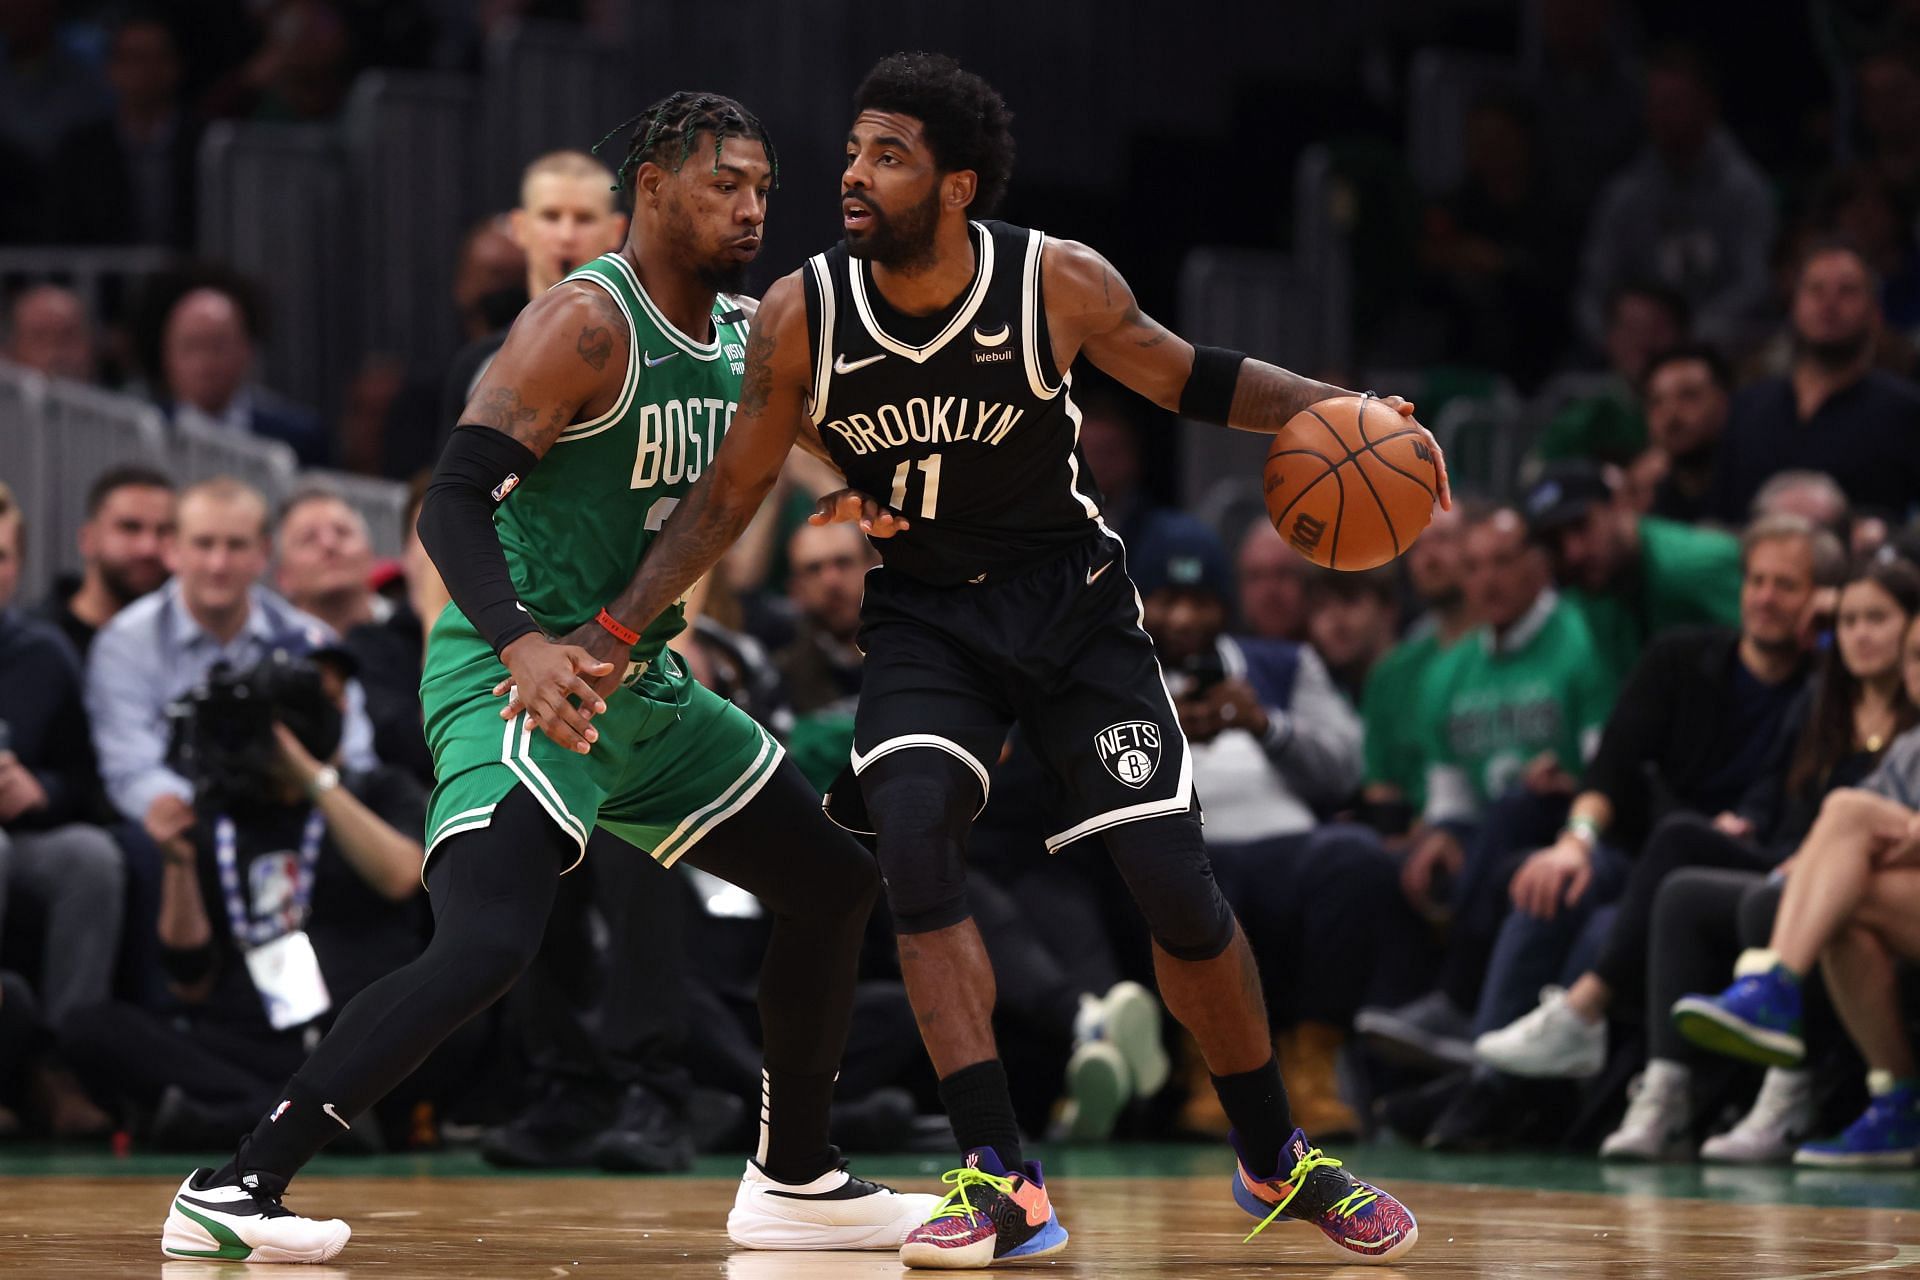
(1130, 750)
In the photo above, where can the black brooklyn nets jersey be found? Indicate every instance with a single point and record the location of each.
(959, 421)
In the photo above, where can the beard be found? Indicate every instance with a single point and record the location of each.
(722, 277)
(1838, 353)
(903, 243)
(127, 583)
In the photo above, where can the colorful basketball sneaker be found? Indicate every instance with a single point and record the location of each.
(990, 1216)
(1886, 1136)
(1359, 1220)
(1757, 1019)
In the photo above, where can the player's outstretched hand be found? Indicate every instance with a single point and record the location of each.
(543, 679)
(844, 506)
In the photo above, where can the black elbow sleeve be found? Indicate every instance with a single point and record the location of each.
(478, 469)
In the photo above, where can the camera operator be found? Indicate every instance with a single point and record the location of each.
(294, 888)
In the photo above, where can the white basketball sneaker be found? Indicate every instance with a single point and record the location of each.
(834, 1211)
(231, 1222)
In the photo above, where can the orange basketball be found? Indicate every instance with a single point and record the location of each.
(1350, 483)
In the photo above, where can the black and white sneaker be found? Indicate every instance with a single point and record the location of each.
(834, 1211)
(231, 1222)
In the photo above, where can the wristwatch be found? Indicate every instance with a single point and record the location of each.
(324, 780)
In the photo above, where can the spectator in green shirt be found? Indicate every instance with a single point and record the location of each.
(1630, 576)
(1395, 742)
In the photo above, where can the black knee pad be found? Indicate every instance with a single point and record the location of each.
(921, 810)
(1164, 862)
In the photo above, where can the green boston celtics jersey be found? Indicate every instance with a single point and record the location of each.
(576, 528)
(1542, 688)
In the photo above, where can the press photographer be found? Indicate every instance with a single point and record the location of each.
(294, 888)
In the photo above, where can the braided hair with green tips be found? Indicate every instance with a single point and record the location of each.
(665, 132)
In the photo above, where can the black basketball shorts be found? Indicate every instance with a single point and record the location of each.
(1058, 647)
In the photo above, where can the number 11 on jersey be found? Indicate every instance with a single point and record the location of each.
(929, 491)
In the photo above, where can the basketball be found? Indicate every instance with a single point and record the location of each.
(1350, 483)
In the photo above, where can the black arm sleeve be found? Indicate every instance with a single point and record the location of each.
(1208, 395)
(479, 467)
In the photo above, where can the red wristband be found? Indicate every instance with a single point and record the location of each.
(617, 629)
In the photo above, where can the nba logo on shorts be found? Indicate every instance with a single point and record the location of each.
(1130, 750)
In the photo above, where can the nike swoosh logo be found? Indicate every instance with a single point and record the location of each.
(328, 1108)
(1094, 573)
(843, 365)
(651, 362)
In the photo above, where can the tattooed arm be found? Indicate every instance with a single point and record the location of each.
(1092, 312)
(744, 468)
(566, 355)
(564, 359)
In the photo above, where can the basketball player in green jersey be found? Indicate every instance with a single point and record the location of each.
(606, 403)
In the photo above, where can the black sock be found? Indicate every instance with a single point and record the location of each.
(291, 1134)
(981, 1110)
(1256, 1102)
(794, 1111)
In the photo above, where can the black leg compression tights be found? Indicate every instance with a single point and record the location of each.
(819, 886)
(491, 891)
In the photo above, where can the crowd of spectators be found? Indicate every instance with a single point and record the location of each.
(1490, 815)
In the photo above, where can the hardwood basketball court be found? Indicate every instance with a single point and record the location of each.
(1133, 1212)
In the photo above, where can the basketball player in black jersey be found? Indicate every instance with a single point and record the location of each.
(928, 357)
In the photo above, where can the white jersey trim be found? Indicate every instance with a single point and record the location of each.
(822, 341)
(983, 277)
(1182, 798)
(517, 754)
(594, 426)
(1087, 504)
(698, 350)
(1030, 306)
(938, 743)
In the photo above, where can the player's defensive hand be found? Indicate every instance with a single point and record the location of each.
(544, 677)
(843, 506)
(1404, 408)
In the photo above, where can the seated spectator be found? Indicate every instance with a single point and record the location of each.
(1608, 425)
(52, 856)
(821, 668)
(123, 546)
(1692, 734)
(1632, 577)
(1272, 581)
(48, 331)
(159, 648)
(287, 856)
(1847, 904)
(298, 74)
(1692, 212)
(1352, 619)
(1834, 412)
(1274, 747)
(324, 561)
(129, 177)
(1688, 394)
(1512, 710)
(1395, 786)
(63, 873)
(207, 367)
(1858, 203)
